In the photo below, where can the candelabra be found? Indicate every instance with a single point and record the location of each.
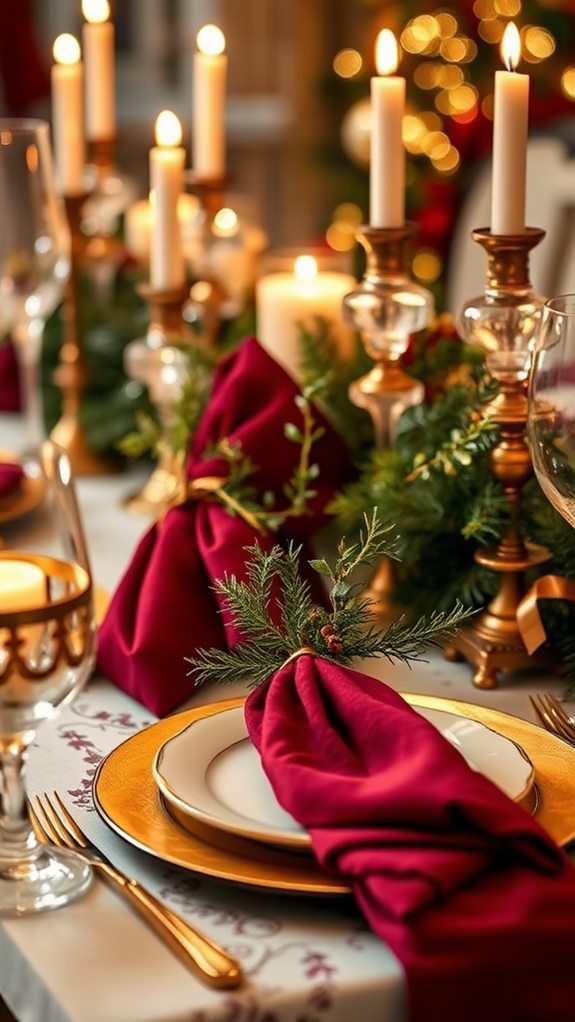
(71, 375)
(503, 322)
(386, 307)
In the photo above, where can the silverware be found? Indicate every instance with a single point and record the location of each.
(54, 825)
(553, 716)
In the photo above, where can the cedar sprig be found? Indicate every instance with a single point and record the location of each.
(274, 611)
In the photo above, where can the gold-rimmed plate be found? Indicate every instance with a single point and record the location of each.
(23, 499)
(127, 798)
(210, 773)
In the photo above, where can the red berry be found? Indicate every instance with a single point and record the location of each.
(326, 631)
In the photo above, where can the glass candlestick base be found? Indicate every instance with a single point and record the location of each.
(387, 308)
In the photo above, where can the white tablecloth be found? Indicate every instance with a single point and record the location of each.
(94, 961)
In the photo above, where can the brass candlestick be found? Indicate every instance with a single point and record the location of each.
(71, 375)
(207, 297)
(102, 154)
(162, 367)
(503, 322)
(386, 307)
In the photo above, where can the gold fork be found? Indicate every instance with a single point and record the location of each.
(54, 825)
(553, 716)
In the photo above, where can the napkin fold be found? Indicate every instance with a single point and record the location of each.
(11, 476)
(472, 895)
(164, 607)
(9, 386)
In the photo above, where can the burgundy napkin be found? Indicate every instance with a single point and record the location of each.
(164, 607)
(10, 478)
(474, 898)
(9, 386)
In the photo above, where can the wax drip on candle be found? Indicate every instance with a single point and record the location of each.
(96, 11)
(511, 46)
(66, 49)
(211, 40)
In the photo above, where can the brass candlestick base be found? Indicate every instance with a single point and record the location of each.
(165, 305)
(504, 320)
(210, 191)
(386, 308)
(102, 153)
(71, 375)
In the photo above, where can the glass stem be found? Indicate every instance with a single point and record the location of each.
(27, 343)
(17, 840)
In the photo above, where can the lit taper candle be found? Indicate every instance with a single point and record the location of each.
(68, 114)
(510, 127)
(387, 163)
(98, 46)
(209, 104)
(166, 178)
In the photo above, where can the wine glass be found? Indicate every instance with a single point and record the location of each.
(552, 405)
(34, 250)
(47, 650)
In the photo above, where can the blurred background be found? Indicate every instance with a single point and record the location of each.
(298, 114)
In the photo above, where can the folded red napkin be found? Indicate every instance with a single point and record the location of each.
(9, 387)
(10, 478)
(474, 898)
(164, 608)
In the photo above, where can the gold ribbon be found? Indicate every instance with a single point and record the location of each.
(299, 652)
(211, 485)
(549, 587)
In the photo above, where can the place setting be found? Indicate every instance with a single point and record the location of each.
(287, 557)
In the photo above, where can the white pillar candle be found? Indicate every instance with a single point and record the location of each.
(98, 46)
(68, 114)
(166, 179)
(510, 126)
(287, 301)
(208, 104)
(22, 586)
(387, 162)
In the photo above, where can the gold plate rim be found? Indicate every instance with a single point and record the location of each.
(29, 496)
(128, 800)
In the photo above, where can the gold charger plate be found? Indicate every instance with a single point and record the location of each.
(28, 496)
(127, 798)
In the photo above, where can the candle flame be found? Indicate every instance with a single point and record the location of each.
(386, 52)
(96, 11)
(305, 269)
(511, 46)
(211, 40)
(66, 49)
(168, 129)
(225, 223)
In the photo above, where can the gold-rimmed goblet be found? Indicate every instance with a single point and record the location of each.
(47, 650)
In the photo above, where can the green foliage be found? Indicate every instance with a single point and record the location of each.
(276, 616)
(328, 376)
(148, 435)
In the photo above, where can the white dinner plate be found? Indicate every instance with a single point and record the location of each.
(211, 773)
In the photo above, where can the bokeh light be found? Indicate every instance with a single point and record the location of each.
(347, 63)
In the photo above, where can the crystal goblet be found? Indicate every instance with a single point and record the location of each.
(47, 650)
(551, 420)
(34, 250)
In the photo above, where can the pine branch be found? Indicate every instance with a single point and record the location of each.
(342, 634)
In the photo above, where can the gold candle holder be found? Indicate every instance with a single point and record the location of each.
(102, 154)
(386, 307)
(165, 311)
(206, 295)
(40, 644)
(71, 375)
(504, 321)
(146, 361)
